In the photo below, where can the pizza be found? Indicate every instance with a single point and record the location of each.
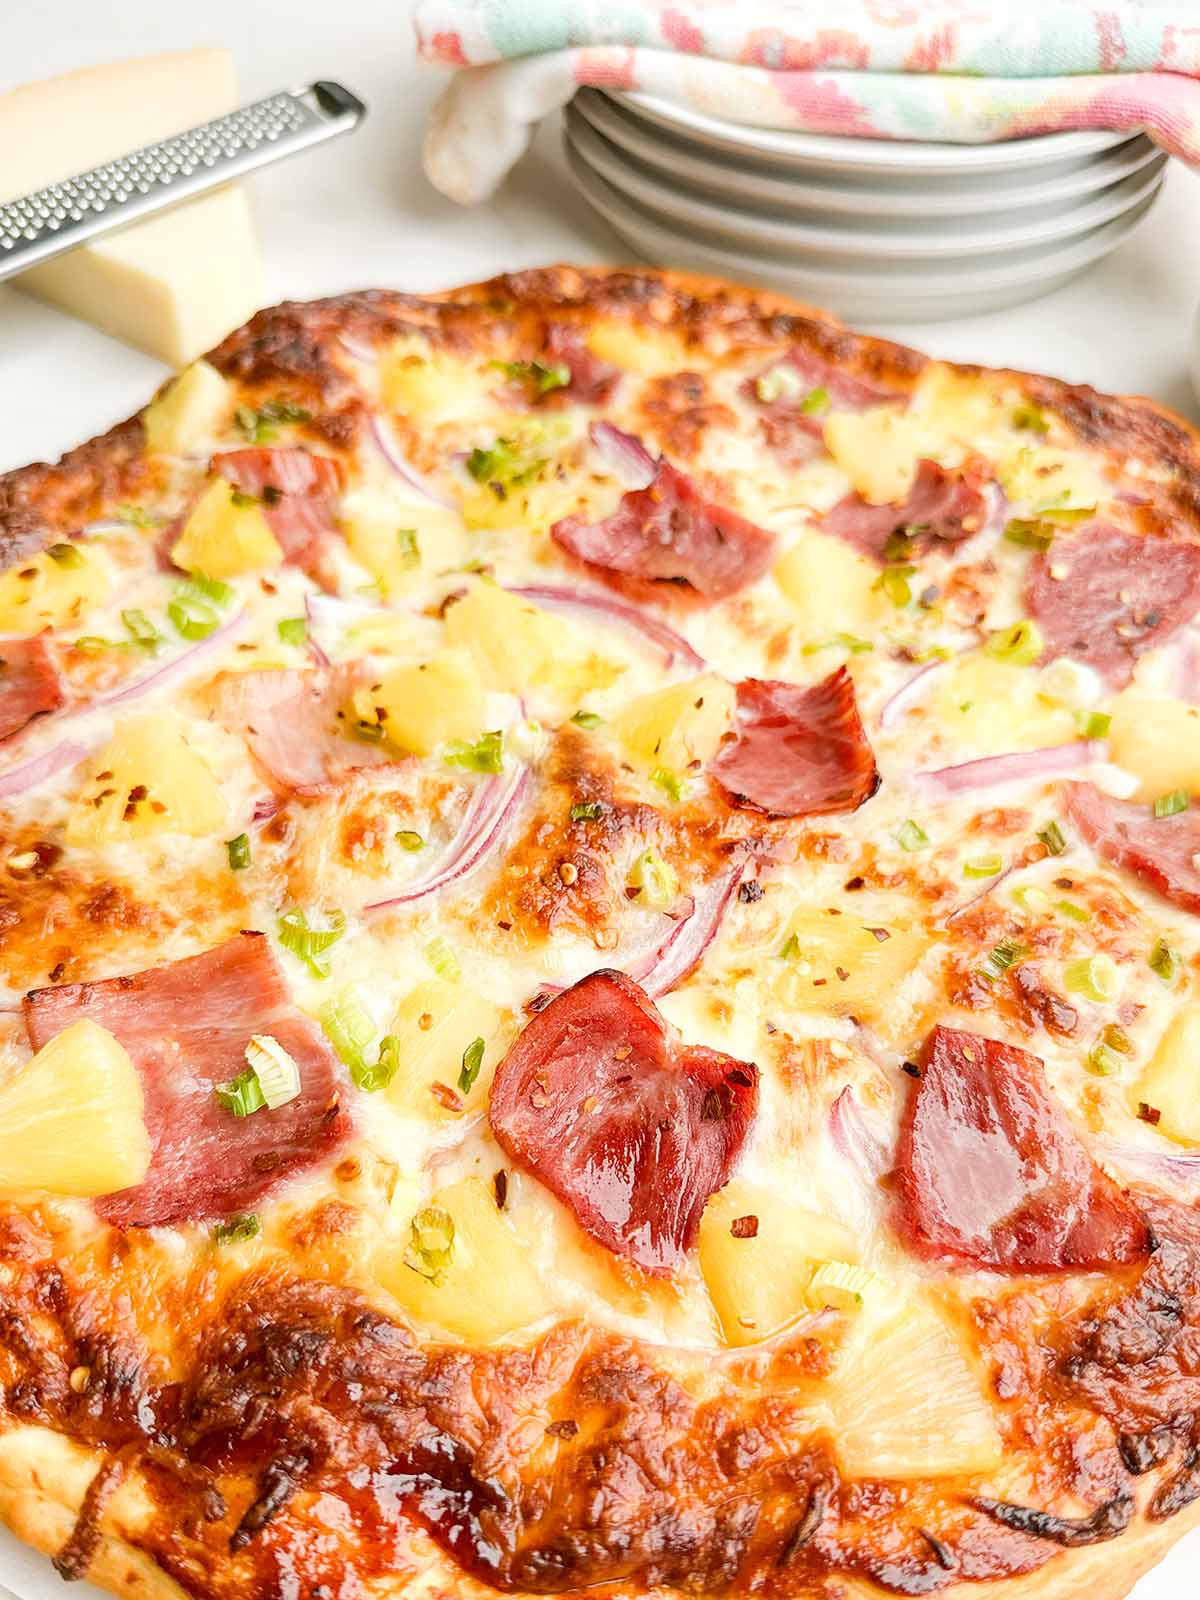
(598, 914)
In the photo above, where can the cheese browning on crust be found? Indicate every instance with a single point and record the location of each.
(452, 757)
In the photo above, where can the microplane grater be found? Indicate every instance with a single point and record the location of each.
(63, 215)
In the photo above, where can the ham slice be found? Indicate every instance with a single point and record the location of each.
(1105, 597)
(668, 535)
(1160, 851)
(796, 435)
(29, 683)
(592, 379)
(797, 751)
(186, 1026)
(991, 1174)
(296, 727)
(632, 1129)
(944, 506)
(299, 491)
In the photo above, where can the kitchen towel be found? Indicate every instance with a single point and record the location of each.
(965, 71)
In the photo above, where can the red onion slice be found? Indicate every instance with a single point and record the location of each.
(684, 947)
(854, 1139)
(1011, 767)
(389, 448)
(28, 774)
(1174, 1169)
(625, 455)
(675, 648)
(908, 694)
(178, 667)
(493, 806)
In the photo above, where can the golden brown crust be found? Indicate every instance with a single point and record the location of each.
(297, 1430)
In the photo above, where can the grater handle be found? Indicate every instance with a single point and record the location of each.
(63, 215)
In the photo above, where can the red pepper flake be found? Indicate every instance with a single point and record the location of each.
(911, 1068)
(566, 1429)
(744, 1227)
(1148, 1113)
(842, 973)
(500, 1187)
(854, 883)
(445, 1096)
(881, 934)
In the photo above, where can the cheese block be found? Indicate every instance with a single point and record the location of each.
(173, 285)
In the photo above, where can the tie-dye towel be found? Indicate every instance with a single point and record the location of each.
(967, 71)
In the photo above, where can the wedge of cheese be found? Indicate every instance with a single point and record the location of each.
(173, 285)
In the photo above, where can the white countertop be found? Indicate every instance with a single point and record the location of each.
(360, 214)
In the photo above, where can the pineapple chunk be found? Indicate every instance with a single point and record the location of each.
(758, 1284)
(650, 352)
(190, 410)
(831, 587)
(679, 725)
(53, 590)
(147, 780)
(878, 450)
(226, 535)
(420, 707)
(819, 945)
(524, 649)
(1171, 1081)
(1158, 741)
(433, 1026)
(518, 480)
(906, 1401)
(1043, 479)
(398, 541)
(434, 387)
(967, 408)
(485, 1289)
(993, 706)
(71, 1119)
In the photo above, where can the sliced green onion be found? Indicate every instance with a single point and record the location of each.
(92, 644)
(442, 959)
(653, 881)
(472, 1060)
(221, 594)
(911, 836)
(142, 632)
(137, 517)
(839, 641)
(238, 851)
(587, 811)
(1031, 535)
(669, 781)
(410, 550)
(277, 1073)
(1093, 724)
(241, 1095)
(1030, 417)
(815, 403)
(781, 383)
(1165, 962)
(371, 1077)
(1020, 645)
(893, 582)
(1170, 805)
(1064, 516)
(310, 944)
(485, 755)
(1104, 1058)
(237, 1230)
(1030, 898)
(292, 630)
(1002, 956)
(65, 555)
(1053, 838)
(898, 546)
(192, 617)
(1095, 977)
(983, 867)
(350, 1029)
(587, 719)
(1070, 909)
(262, 426)
(791, 948)
(408, 840)
(536, 377)
(431, 1247)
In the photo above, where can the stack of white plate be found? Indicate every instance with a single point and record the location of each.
(871, 228)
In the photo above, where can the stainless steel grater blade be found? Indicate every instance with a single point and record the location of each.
(64, 215)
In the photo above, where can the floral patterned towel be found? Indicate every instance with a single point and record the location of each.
(966, 71)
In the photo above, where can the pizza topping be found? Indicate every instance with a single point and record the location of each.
(29, 683)
(1105, 597)
(291, 721)
(630, 619)
(590, 380)
(668, 534)
(797, 750)
(991, 1173)
(796, 394)
(186, 1027)
(944, 506)
(296, 490)
(632, 1129)
(1162, 850)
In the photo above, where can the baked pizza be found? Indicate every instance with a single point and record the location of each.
(598, 907)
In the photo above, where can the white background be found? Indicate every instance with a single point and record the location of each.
(360, 214)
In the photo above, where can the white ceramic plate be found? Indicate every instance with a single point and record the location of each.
(869, 155)
(847, 236)
(751, 180)
(889, 293)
